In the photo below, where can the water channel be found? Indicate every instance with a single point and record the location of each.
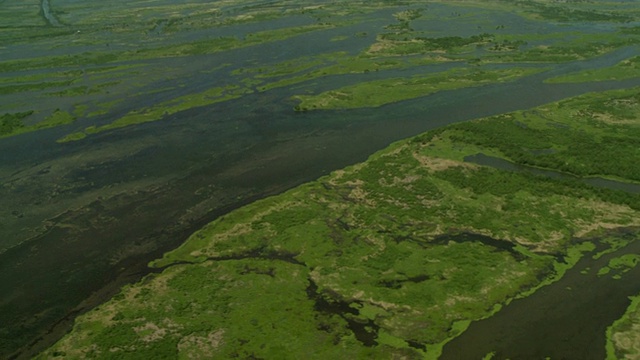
(48, 15)
(482, 159)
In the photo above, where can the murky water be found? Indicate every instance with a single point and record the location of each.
(80, 219)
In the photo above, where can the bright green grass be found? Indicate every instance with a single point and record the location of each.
(12, 124)
(574, 136)
(620, 264)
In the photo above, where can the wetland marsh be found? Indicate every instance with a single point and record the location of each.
(130, 125)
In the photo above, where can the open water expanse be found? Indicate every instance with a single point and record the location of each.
(84, 218)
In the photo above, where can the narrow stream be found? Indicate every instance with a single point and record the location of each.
(482, 159)
(48, 15)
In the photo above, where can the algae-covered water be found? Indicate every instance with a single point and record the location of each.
(86, 217)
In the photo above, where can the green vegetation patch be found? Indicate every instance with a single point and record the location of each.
(379, 92)
(623, 336)
(564, 13)
(594, 135)
(333, 64)
(162, 110)
(12, 124)
(578, 49)
(20, 88)
(394, 44)
(620, 265)
(200, 47)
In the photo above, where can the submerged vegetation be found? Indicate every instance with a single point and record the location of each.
(379, 92)
(391, 257)
(624, 70)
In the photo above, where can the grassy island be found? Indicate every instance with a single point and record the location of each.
(627, 69)
(381, 92)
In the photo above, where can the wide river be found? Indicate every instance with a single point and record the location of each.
(87, 216)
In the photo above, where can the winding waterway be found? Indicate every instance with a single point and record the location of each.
(87, 216)
(48, 15)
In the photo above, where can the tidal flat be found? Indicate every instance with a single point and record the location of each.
(129, 125)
